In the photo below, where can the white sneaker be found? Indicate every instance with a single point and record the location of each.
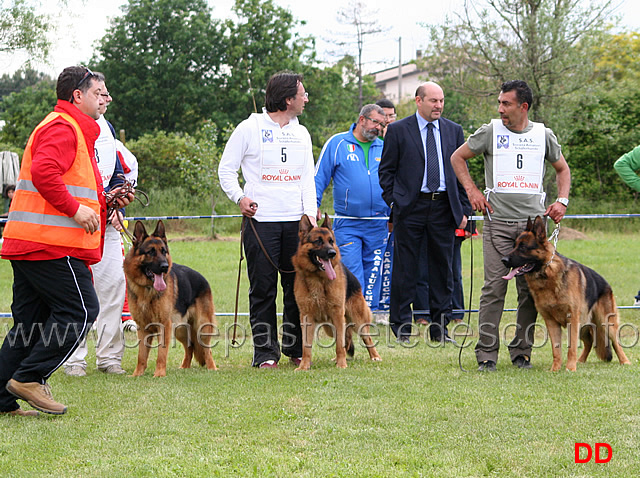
(129, 326)
(381, 319)
(114, 369)
(637, 302)
(75, 371)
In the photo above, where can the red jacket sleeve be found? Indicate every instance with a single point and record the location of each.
(53, 154)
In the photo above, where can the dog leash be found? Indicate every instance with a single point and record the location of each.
(264, 250)
(470, 299)
(235, 315)
(127, 187)
(246, 219)
(554, 237)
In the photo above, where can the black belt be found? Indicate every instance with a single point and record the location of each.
(434, 196)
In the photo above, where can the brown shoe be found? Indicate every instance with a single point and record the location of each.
(19, 412)
(37, 395)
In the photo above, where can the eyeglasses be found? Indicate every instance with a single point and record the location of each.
(382, 124)
(306, 95)
(391, 116)
(106, 95)
(88, 74)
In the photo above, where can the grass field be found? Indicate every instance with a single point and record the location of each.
(415, 414)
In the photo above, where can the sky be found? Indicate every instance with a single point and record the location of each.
(84, 22)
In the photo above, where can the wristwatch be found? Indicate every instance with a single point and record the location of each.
(563, 201)
(243, 196)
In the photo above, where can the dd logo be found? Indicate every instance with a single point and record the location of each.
(598, 447)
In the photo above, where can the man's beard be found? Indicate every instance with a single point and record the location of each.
(370, 134)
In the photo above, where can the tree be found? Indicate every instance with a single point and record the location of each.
(20, 80)
(161, 60)
(23, 29)
(257, 45)
(609, 115)
(22, 111)
(548, 43)
(617, 57)
(365, 23)
(333, 99)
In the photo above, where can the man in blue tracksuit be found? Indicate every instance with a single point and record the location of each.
(351, 159)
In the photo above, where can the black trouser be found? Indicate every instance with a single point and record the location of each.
(280, 240)
(54, 305)
(431, 222)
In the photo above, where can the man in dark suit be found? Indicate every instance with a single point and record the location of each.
(428, 203)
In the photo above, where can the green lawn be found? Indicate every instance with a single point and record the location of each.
(414, 414)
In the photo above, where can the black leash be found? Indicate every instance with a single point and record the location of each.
(246, 219)
(264, 250)
(235, 315)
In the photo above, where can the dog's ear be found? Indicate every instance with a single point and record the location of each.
(540, 229)
(159, 231)
(139, 234)
(305, 226)
(327, 221)
(529, 224)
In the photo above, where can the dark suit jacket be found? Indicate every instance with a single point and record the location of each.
(402, 166)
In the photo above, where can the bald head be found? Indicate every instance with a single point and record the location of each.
(430, 100)
(429, 87)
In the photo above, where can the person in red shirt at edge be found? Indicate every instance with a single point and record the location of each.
(55, 231)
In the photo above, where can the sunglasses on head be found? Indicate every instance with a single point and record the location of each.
(88, 74)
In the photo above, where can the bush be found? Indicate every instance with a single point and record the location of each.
(179, 201)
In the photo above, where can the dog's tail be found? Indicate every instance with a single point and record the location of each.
(604, 311)
(348, 343)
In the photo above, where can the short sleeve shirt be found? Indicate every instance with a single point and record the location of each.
(511, 207)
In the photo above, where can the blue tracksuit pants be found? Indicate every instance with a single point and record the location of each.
(362, 244)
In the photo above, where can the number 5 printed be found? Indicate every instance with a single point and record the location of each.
(283, 154)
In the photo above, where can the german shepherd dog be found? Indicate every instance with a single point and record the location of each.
(566, 294)
(163, 294)
(328, 293)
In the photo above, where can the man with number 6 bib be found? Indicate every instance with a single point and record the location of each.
(274, 152)
(515, 150)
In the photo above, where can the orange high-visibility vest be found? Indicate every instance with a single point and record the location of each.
(32, 218)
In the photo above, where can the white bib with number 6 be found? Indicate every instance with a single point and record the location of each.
(518, 159)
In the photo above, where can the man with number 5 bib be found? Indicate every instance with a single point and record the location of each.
(515, 150)
(274, 152)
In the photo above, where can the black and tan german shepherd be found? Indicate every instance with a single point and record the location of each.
(328, 293)
(566, 294)
(164, 296)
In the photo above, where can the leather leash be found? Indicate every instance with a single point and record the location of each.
(246, 219)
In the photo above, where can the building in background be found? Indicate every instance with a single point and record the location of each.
(400, 83)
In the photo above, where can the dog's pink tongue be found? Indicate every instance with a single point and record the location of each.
(328, 268)
(512, 273)
(159, 284)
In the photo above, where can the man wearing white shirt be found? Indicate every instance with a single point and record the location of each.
(274, 152)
